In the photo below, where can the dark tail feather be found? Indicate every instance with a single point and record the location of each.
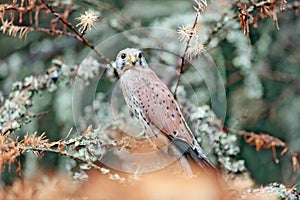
(199, 156)
(196, 154)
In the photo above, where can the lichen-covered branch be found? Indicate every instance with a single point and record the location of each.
(14, 111)
(85, 149)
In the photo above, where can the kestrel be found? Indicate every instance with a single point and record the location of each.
(155, 106)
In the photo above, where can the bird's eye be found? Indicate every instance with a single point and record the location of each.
(140, 55)
(123, 56)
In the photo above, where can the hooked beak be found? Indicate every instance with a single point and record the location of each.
(132, 60)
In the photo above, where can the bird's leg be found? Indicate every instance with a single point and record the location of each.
(141, 134)
(149, 132)
(148, 138)
(136, 175)
(153, 143)
(183, 160)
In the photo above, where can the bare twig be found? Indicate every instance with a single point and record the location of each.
(287, 92)
(183, 57)
(264, 140)
(252, 7)
(78, 35)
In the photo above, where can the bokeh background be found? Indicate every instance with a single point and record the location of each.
(261, 74)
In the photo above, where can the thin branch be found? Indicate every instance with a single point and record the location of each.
(284, 96)
(183, 57)
(50, 31)
(219, 25)
(64, 153)
(69, 155)
(22, 9)
(278, 76)
(78, 35)
(264, 140)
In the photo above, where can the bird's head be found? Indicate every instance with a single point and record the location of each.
(130, 58)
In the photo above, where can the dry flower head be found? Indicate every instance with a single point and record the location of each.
(87, 21)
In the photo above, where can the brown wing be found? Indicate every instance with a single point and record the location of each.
(161, 109)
